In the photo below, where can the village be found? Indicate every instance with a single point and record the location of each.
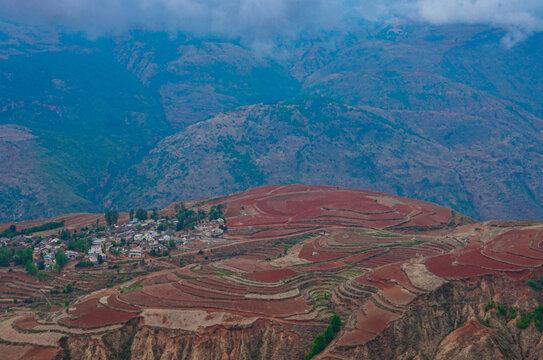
(136, 239)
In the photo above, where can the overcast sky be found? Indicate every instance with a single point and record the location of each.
(264, 19)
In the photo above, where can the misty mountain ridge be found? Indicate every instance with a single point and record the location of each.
(445, 113)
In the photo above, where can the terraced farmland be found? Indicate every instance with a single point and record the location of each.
(302, 254)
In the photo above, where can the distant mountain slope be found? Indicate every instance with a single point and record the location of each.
(313, 142)
(440, 113)
(197, 78)
(71, 121)
(323, 142)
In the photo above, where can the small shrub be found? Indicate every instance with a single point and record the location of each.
(525, 319)
(538, 318)
(65, 355)
(537, 285)
(513, 313)
(490, 305)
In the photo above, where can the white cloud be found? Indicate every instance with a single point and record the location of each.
(521, 18)
(262, 20)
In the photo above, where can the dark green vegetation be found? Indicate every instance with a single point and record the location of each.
(445, 114)
(19, 256)
(61, 258)
(215, 212)
(324, 338)
(12, 230)
(537, 284)
(141, 214)
(65, 353)
(111, 217)
(188, 218)
(522, 321)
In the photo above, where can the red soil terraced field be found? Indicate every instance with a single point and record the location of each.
(248, 265)
(330, 206)
(26, 322)
(393, 274)
(91, 314)
(363, 256)
(272, 275)
(19, 286)
(510, 252)
(311, 253)
(443, 266)
(368, 325)
(323, 266)
(27, 352)
(516, 247)
(301, 254)
(168, 296)
(475, 257)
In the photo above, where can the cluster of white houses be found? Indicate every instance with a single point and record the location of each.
(132, 240)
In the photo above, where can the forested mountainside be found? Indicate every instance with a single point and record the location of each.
(440, 113)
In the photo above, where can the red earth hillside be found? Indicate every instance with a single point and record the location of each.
(293, 256)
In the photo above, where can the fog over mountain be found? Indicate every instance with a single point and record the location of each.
(257, 21)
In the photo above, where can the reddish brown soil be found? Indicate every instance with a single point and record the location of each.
(118, 305)
(40, 353)
(169, 296)
(359, 257)
(17, 276)
(192, 289)
(247, 265)
(368, 325)
(397, 295)
(393, 273)
(272, 275)
(303, 205)
(474, 257)
(323, 266)
(368, 280)
(159, 279)
(517, 243)
(511, 258)
(26, 323)
(321, 255)
(91, 313)
(443, 266)
(518, 275)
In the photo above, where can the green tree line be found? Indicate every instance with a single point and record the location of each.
(325, 338)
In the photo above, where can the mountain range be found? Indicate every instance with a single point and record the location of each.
(447, 114)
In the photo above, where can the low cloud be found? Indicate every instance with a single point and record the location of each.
(259, 21)
(521, 18)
